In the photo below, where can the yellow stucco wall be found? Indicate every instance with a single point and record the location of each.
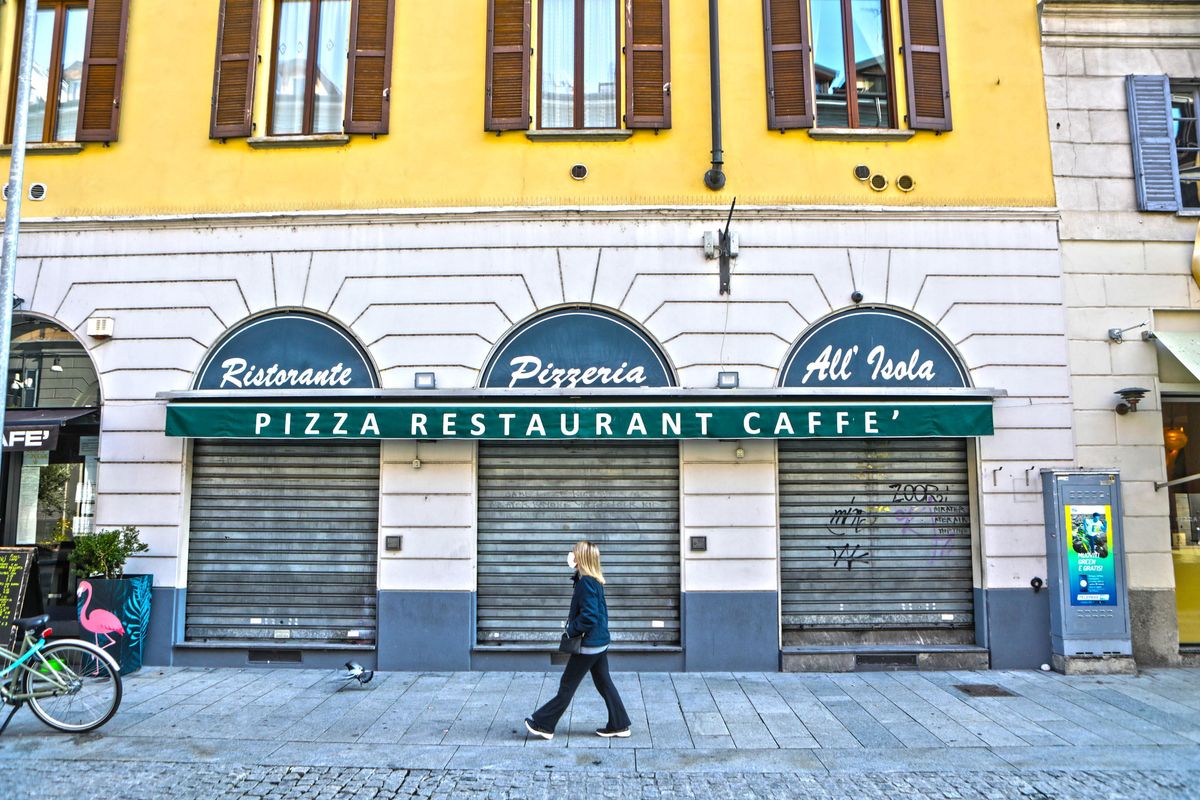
(437, 153)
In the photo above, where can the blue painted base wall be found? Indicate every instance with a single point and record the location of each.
(722, 632)
(1018, 627)
(166, 617)
(426, 630)
(731, 631)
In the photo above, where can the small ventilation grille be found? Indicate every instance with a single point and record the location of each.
(983, 690)
(870, 662)
(37, 191)
(274, 657)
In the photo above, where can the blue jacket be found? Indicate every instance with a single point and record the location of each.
(589, 612)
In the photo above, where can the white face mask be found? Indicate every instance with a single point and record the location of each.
(571, 559)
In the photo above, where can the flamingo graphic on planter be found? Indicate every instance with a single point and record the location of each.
(99, 621)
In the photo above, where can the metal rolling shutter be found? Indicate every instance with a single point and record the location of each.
(536, 500)
(283, 542)
(908, 564)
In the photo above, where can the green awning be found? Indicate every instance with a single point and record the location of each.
(1184, 346)
(591, 419)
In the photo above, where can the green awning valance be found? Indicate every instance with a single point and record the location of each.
(592, 419)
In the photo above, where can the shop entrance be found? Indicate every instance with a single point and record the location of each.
(875, 542)
(51, 448)
(1181, 436)
(536, 500)
(282, 546)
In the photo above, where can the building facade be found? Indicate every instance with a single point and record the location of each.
(376, 339)
(1120, 86)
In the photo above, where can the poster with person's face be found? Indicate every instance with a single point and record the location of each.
(1091, 562)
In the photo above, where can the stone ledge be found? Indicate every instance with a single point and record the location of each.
(46, 148)
(860, 134)
(593, 135)
(278, 142)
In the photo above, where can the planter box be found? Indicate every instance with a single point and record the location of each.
(115, 614)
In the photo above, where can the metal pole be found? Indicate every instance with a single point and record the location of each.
(12, 210)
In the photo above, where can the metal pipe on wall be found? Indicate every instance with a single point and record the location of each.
(16, 180)
(714, 178)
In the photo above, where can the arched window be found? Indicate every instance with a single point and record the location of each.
(48, 367)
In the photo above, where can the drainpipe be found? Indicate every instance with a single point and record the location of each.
(16, 178)
(715, 179)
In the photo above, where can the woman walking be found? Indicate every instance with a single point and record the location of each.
(589, 617)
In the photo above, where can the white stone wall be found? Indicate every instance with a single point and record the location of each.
(1120, 265)
(435, 291)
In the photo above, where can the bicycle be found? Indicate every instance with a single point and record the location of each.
(71, 685)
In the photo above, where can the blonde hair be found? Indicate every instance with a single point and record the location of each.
(587, 559)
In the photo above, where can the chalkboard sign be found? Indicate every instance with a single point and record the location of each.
(17, 565)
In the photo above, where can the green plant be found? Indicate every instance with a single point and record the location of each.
(104, 553)
(62, 532)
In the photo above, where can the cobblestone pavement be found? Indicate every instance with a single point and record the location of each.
(239, 782)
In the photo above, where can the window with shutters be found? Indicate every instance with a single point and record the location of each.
(829, 64)
(308, 74)
(853, 84)
(1185, 100)
(78, 53)
(579, 72)
(330, 67)
(578, 80)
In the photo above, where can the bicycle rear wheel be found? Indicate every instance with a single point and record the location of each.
(93, 682)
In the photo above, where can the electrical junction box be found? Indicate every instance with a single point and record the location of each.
(1085, 562)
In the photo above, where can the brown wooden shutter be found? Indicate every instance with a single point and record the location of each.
(369, 71)
(233, 75)
(506, 102)
(647, 63)
(925, 65)
(103, 63)
(788, 47)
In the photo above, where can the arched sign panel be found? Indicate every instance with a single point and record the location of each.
(288, 350)
(872, 348)
(577, 349)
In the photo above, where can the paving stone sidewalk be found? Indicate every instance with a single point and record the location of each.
(244, 732)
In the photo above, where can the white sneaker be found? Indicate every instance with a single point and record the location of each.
(536, 731)
(608, 734)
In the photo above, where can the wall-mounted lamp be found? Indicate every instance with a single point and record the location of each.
(1130, 397)
(425, 380)
(16, 384)
(57, 365)
(727, 380)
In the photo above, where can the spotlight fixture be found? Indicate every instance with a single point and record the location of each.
(862, 172)
(878, 182)
(425, 380)
(727, 380)
(856, 297)
(1130, 397)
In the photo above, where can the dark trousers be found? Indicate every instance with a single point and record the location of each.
(578, 665)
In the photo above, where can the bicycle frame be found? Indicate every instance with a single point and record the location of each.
(56, 677)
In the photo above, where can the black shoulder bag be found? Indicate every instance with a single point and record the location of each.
(570, 644)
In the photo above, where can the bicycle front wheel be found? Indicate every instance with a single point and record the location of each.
(75, 686)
